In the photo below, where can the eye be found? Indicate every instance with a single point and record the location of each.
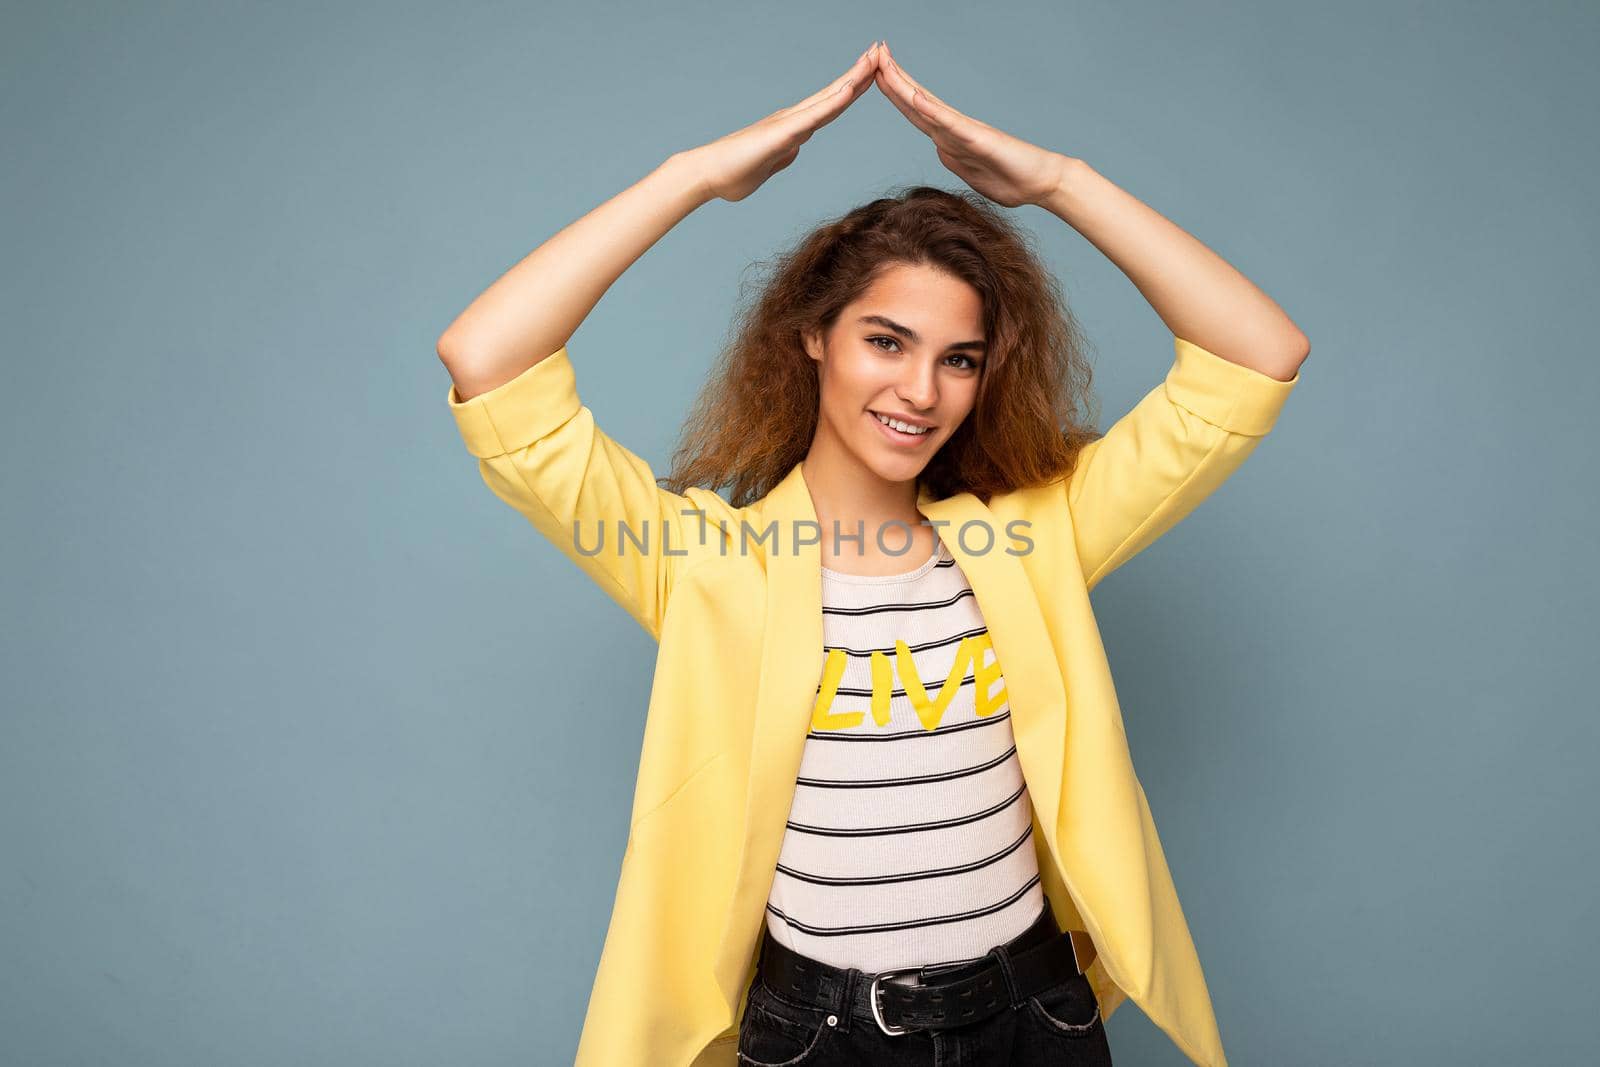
(972, 364)
(881, 337)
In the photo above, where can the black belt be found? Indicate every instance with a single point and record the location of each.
(959, 994)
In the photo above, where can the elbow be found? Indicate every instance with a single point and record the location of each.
(1295, 352)
(448, 348)
(1302, 348)
(461, 342)
(459, 365)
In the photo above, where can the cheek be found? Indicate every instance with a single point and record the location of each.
(961, 406)
(850, 391)
(841, 404)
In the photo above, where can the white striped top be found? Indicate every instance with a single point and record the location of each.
(910, 836)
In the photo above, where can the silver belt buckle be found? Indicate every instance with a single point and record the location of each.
(872, 997)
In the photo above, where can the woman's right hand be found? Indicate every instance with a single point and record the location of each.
(734, 166)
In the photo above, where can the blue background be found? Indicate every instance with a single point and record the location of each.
(312, 751)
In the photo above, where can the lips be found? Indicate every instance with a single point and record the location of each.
(896, 437)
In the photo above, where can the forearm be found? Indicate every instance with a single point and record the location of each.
(1197, 293)
(533, 309)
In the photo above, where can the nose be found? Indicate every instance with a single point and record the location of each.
(919, 385)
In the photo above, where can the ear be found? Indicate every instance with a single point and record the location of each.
(813, 344)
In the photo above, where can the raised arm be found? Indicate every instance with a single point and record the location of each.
(1195, 291)
(1237, 357)
(515, 400)
(534, 308)
(1199, 295)
(514, 390)
(1238, 354)
(1173, 449)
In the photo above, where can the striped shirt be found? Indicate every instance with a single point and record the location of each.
(910, 835)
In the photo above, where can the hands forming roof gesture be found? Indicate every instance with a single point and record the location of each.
(1006, 169)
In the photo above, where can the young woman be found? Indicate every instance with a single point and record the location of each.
(885, 811)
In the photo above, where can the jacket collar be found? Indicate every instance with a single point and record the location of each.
(791, 661)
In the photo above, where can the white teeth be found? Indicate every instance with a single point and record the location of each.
(903, 427)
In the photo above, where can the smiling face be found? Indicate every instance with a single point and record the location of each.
(899, 369)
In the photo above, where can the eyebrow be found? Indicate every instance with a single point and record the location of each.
(911, 335)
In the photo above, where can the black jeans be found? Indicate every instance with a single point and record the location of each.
(1060, 1026)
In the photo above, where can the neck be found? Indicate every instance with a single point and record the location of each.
(846, 492)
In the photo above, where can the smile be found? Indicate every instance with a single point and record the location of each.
(901, 433)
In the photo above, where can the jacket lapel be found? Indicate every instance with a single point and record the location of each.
(1035, 691)
(791, 663)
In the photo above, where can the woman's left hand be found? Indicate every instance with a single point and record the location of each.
(1006, 169)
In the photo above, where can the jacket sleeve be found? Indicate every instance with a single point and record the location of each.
(1172, 450)
(539, 450)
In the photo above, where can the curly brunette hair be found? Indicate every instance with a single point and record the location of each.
(757, 415)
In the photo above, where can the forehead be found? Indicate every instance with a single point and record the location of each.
(929, 300)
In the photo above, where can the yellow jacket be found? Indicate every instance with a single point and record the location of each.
(739, 631)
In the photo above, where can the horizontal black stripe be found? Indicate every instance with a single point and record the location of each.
(861, 653)
(920, 779)
(913, 606)
(907, 828)
(911, 876)
(910, 924)
(905, 735)
(928, 687)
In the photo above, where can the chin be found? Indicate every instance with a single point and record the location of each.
(896, 468)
